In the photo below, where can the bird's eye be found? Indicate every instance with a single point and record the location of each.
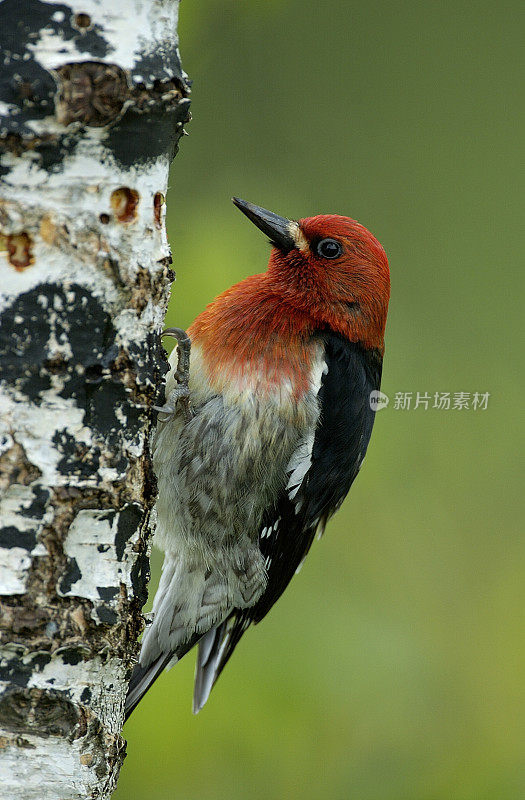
(329, 248)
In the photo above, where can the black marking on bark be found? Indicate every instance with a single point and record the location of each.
(14, 671)
(138, 138)
(102, 403)
(106, 615)
(34, 509)
(162, 64)
(12, 537)
(37, 506)
(26, 327)
(71, 656)
(107, 593)
(103, 548)
(76, 459)
(93, 42)
(94, 373)
(85, 697)
(140, 573)
(128, 521)
(70, 576)
(40, 660)
(151, 364)
(24, 84)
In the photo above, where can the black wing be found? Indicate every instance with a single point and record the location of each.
(339, 446)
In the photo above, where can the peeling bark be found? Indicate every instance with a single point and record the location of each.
(92, 105)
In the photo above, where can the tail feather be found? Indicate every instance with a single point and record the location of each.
(188, 603)
(144, 677)
(141, 680)
(206, 665)
(215, 649)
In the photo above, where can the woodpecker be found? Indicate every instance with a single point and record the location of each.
(257, 450)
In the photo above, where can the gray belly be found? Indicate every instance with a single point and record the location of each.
(220, 471)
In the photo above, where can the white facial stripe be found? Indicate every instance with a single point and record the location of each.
(301, 242)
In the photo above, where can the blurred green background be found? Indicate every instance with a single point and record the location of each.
(394, 666)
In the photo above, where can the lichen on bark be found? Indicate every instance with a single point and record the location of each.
(92, 104)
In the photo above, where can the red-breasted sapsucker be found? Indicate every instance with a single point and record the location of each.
(269, 440)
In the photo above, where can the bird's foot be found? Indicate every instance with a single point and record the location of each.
(179, 397)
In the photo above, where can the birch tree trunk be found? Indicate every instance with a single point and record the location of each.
(92, 104)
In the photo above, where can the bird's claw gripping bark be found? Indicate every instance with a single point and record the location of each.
(180, 395)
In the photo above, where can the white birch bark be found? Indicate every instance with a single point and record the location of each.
(92, 104)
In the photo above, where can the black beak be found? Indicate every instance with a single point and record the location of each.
(276, 227)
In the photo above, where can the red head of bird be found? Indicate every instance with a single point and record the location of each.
(325, 273)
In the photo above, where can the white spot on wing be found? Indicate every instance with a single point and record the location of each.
(301, 459)
(270, 530)
(299, 464)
